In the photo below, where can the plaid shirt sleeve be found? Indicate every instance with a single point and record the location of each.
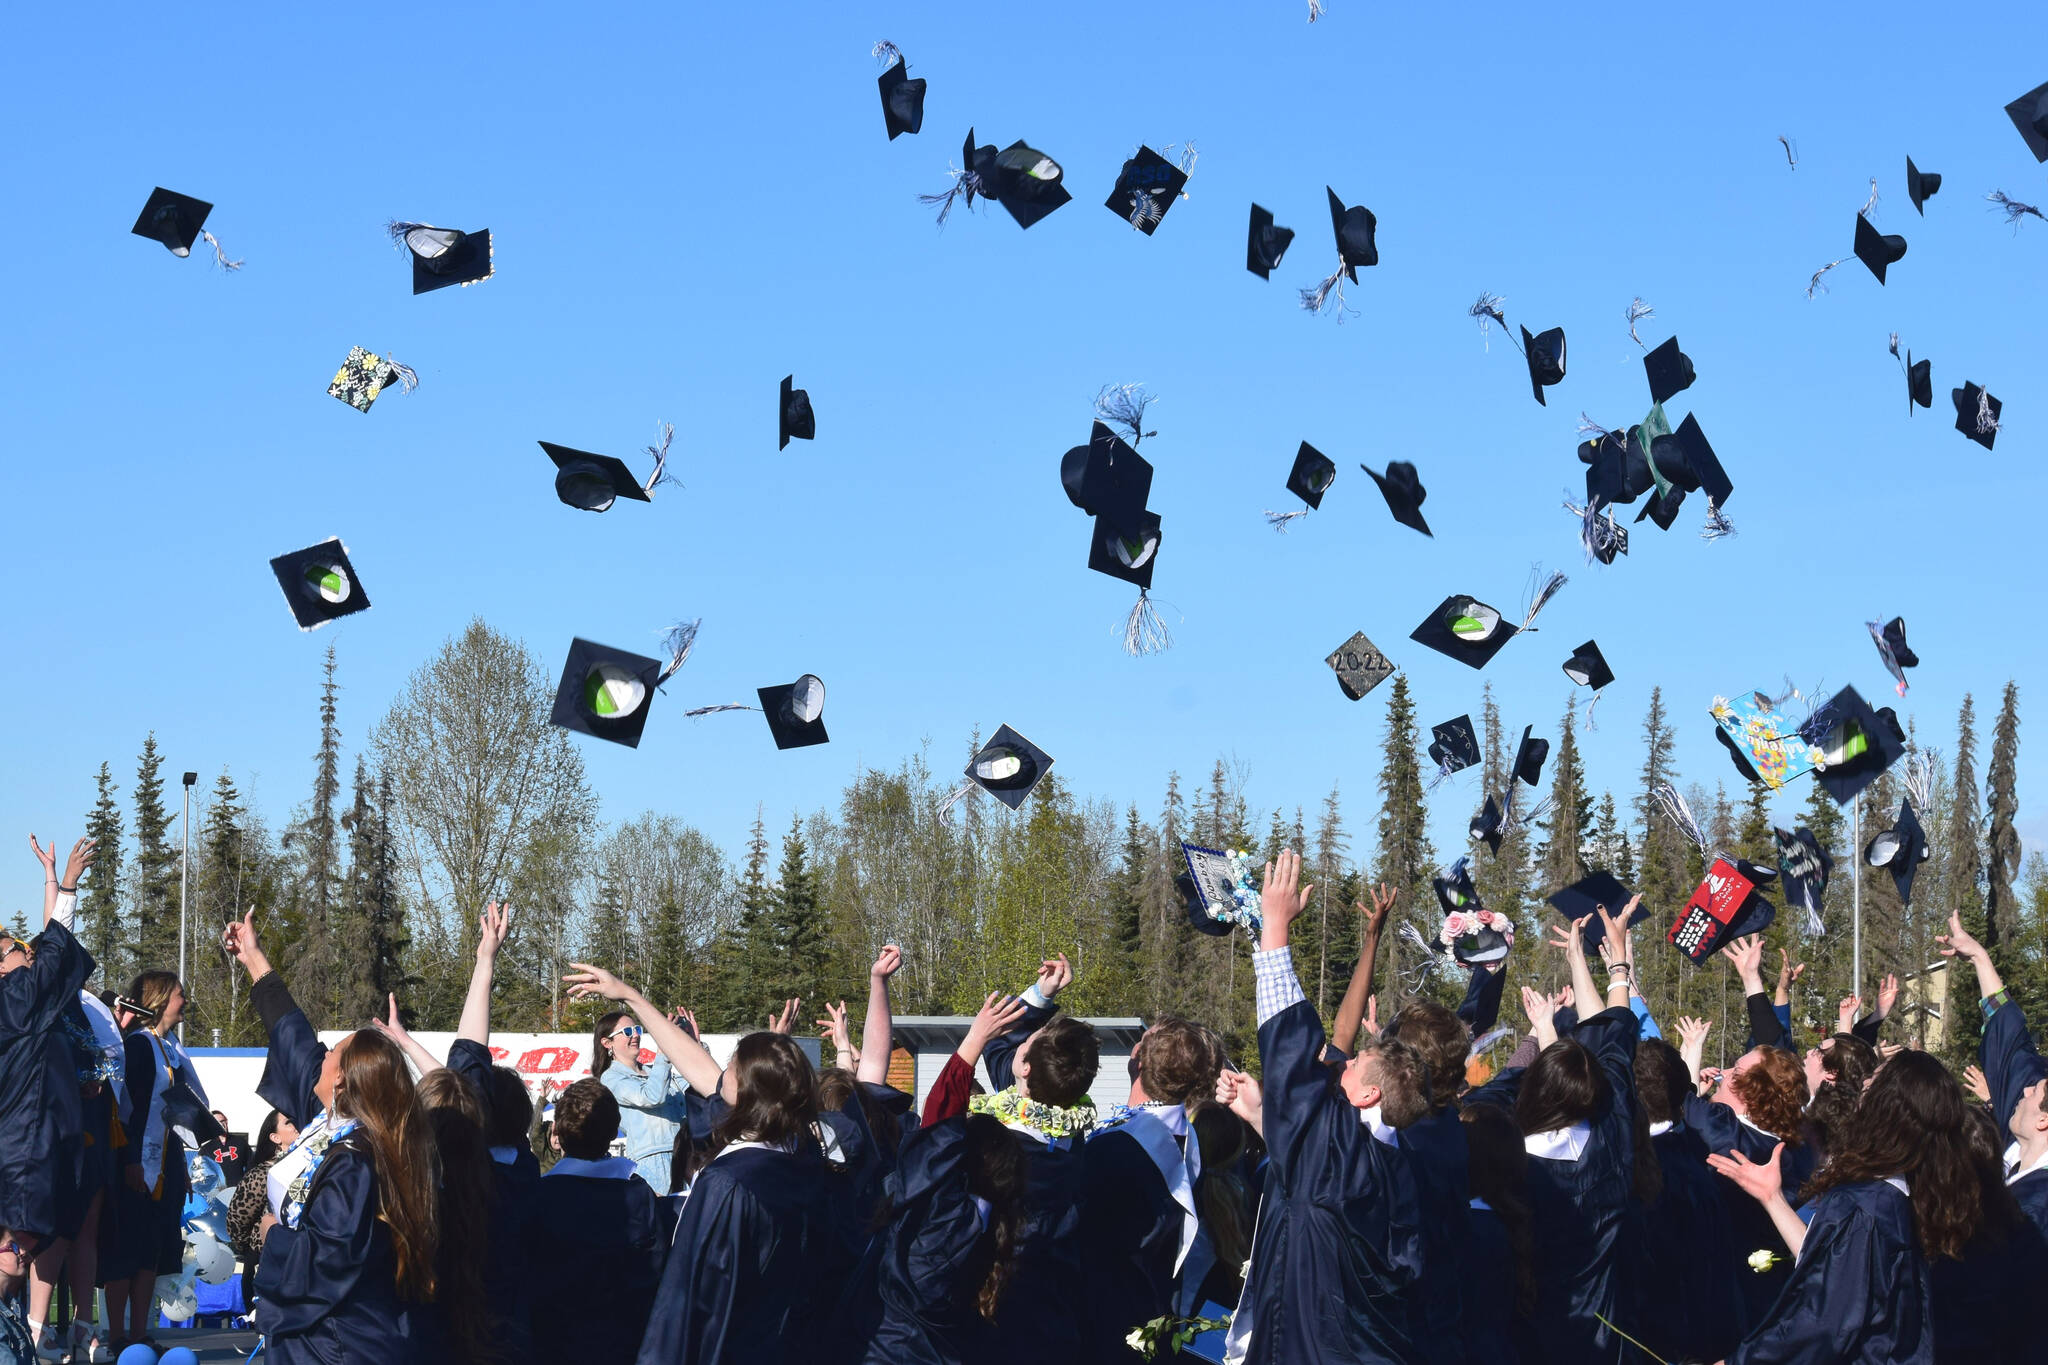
(1990, 1002)
(1276, 985)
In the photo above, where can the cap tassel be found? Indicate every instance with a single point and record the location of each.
(1315, 10)
(1674, 807)
(888, 51)
(1589, 427)
(1123, 407)
(1917, 773)
(714, 710)
(1542, 590)
(1432, 962)
(1791, 152)
(1718, 526)
(1488, 313)
(1280, 521)
(1144, 632)
(661, 475)
(396, 229)
(2014, 209)
(220, 258)
(1512, 822)
(390, 372)
(677, 644)
(954, 798)
(1814, 285)
(1595, 533)
(1316, 299)
(1637, 312)
(1591, 707)
(1487, 1040)
(1986, 423)
(964, 182)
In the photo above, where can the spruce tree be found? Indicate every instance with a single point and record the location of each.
(99, 896)
(1664, 849)
(1405, 858)
(317, 974)
(1335, 921)
(742, 974)
(1562, 858)
(369, 935)
(801, 952)
(390, 940)
(2002, 840)
(1961, 837)
(1753, 838)
(155, 887)
(607, 936)
(1127, 896)
(667, 968)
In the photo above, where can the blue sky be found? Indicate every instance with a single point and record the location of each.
(688, 205)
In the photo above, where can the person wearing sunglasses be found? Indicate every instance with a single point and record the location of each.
(652, 1099)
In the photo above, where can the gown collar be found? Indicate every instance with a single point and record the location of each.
(1371, 1119)
(1560, 1144)
(1661, 1127)
(604, 1168)
(2020, 1173)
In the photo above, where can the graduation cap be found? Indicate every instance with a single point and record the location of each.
(1126, 549)
(1355, 229)
(794, 417)
(1725, 906)
(1473, 933)
(1359, 666)
(1669, 370)
(1617, 467)
(1805, 867)
(1662, 508)
(795, 712)
(1530, 757)
(1217, 892)
(178, 220)
(1404, 494)
(1312, 475)
(591, 482)
(1588, 894)
(1921, 186)
(902, 97)
(605, 692)
(1876, 249)
(1455, 746)
(1919, 378)
(1487, 825)
(1900, 849)
(1545, 354)
(1453, 887)
(1022, 179)
(1855, 744)
(1465, 629)
(1977, 413)
(1588, 667)
(364, 375)
(1008, 767)
(443, 256)
(1265, 244)
(1890, 639)
(1146, 188)
(1106, 477)
(1765, 745)
(320, 584)
(2029, 114)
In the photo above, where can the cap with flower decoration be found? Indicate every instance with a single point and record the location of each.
(1219, 891)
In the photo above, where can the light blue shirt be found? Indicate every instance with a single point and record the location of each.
(652, 1106)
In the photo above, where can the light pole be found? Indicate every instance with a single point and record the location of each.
(184, 878)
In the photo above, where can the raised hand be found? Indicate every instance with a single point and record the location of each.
(1693, 1032)
(1887, 995)
(1748, 956)
(1055, 974)
(1375, 919)
(585, 981)
(74, 868)
(1614, 947)
(238, 941)
(832, 1028)
(1569, 939)
(1282, 898)
(887, 962)
(1562, 1000)
(1542, 1012)
(47, 857)
(1846, 1012)
(491, 928)
(1372, 1015)
(1974, 1082)
(998, 1015)
(683, 1019)
(391, 1026)
(1958, 941)
(1247, 1099)
(1759, 1181)
(1788, 970)
(786, 1020)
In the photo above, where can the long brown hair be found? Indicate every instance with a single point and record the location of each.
(1499, 1166)
(455, 1116)
(1774, 1093)
(775, 1093)
(1563, 1086)
(152, 990)
(375, 1089)
(997, 1172)
(1846, 1066)
(1910, 1124)
(600, 1042)
(1223, 1197)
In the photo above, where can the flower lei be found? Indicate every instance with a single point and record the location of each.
(1461, 923)
(1051, 1120)
(94, 1065)
(1117, 1115)
(1169, 1329)
(1243, 909)
(317, 1148)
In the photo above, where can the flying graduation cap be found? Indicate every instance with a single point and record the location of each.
(1022, 179)
(1356, 230)
(592, 483)
(1107, 476)
(1725, 905)
(320, 585)
(1543, 352)
(179, 220)
(605, 692)
(1977, 413)
(1147, 186)
(794, 418)
(1669, 371)
(1900, 850)
(1876, 249)
(1454, 746)
(902, 97)
(1309, 479)
(1855, 745)
(1487, 825)
(795, 712)
(1765, 745)
(1588, 667)
(1007, 768)
(1898, 656)
(1805, 867)
(1468, 630)
(1265, 244)
(365, 374)
(1684, 462)
(1919, 377)
(1359, 666)
(1588, 895)
(443, 256)
(2029, 114)
(1218, 892)
(1921, 186)
(1530, 757)
(1404, 493)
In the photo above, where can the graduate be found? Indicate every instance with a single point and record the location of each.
(1140, 1223)
(1436, 1144)
(1499, 1254)
(2016, 1075)
(1837, 1068)
(1338, 1249)
(1576, 1108)
(1689, 1304)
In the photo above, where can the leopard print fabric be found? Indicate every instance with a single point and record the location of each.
(245, 1211)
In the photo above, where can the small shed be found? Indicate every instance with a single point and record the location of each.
(932, 1038)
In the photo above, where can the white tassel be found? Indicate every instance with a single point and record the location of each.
(887, 51)
(1637, 312)
(220, 258)
(1680, 814)
(953, 799)
(1279, 520)
(2014, 209)
(714, 710)
(1541, 591)
(1316, 299)
(677, 643)
(1144, 632)
(660, 454)
(1315, 10)
(1814, 284)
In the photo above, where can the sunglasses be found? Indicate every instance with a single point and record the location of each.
(630, 1034)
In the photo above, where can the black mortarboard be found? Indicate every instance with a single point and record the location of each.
(1486, 824)
(1725, 906)
(1877, 249)
(1662, 508)
(1312, 475)
(1585, 896)
(1669, 370)
(1106, 477)
(1973, 407)
(1126, 550)
(1900, 849)
(1857, 744)
(443, 256)
(1465, 629)
(1197, 909)
(1404, 494)
(592, 482)
(1702, 468)
(1921, 186)
(1529, 759)
(1455, 746)
(606, 692)
(1356, 229)
(1145, 189)
(1025, 181)
(1545, 354)
(795, 418)
(1265, 244)
(1359, 665)
(174, 219)
(902, 97)
(1453, 887)
(1008, 767)
(795, 711)
(1617, 468)
(1805, 867)
(320, 584)
(2029, 114)
(1890, 639)
(1588, 668)
(1919, 383)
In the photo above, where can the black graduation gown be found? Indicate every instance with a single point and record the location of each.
(1581, 1208)
(508, 1269)
(291, 1064)
(1860, 1292)
(1985, 1309)
(929, 1263)
(1130, 1236)
(606, 1241)
(1689, 1304)
(328, 1288)
(1749, 1225)
(742, 1284)
(1436, 1146)
(39, 1105)
(1492, 1332)
(1338, 1249)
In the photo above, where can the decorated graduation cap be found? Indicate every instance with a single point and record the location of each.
(179, 220)
(1900, 850)
(1898, 656)
(1359, 666)
(1265, 244)
(1977, 414)
(794, 419)
(1588, 667)
(1453, 887)
(1356, 230)
(1855, 744)
(1531, 756)
(1147, 186)
(320, 584)
(1765, 744)
(2029, 114)
(1106, 477)
(1921, 186)
(1008, 767)
(365, 374)
(1725, 905)
(1454, 746)
(1025, 181)
(1129, 549)
(592, 483)
(1403, 490)
(1878, 250)
(1218, 891)
(1464, 628)
(1919, 377)
(1545, 353)
(902, 97)
(606, 693)
(1669, 371)
(1588, 895)
(443, 256)
(795, 712)
(1473, 934)
(1487, 824)
(1805, 867)
(1309, 479)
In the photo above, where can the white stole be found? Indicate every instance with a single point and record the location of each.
(1155, 1128)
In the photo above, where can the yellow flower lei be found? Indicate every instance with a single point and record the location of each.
(1012, 1106)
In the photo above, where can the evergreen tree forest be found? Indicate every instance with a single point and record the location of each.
(462, 792)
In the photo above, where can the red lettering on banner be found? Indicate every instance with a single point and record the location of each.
(545, 1060)
(499, 1054)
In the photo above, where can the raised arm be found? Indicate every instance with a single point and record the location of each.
(1747, 954)
(1571, 939)
(391, 1027)
(492, 926)
(832, 1029)
(948, 1095)
(1692, 1045)
(60, 897)
(1351, 1010)
(880, 1025)
(1290, 1035)
(684, 1052)
(292, 1063)
(1761, 1182)
(2010, 1060)
(999, 1053)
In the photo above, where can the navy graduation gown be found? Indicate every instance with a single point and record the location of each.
(1689, 1302)
(606, 1241)
(38, 1081)
(742, 1284)
(1583, 1228)
(929, 1263)
(1130, 1236)
(1493, 1333)
(328, 1288)
(508, 1268)
(1984, 1305)
(1860, 1292)
(1436, 1146)
(1338, 1249)
(1040, 1317)
(291, 1064)
(1749, 1225)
